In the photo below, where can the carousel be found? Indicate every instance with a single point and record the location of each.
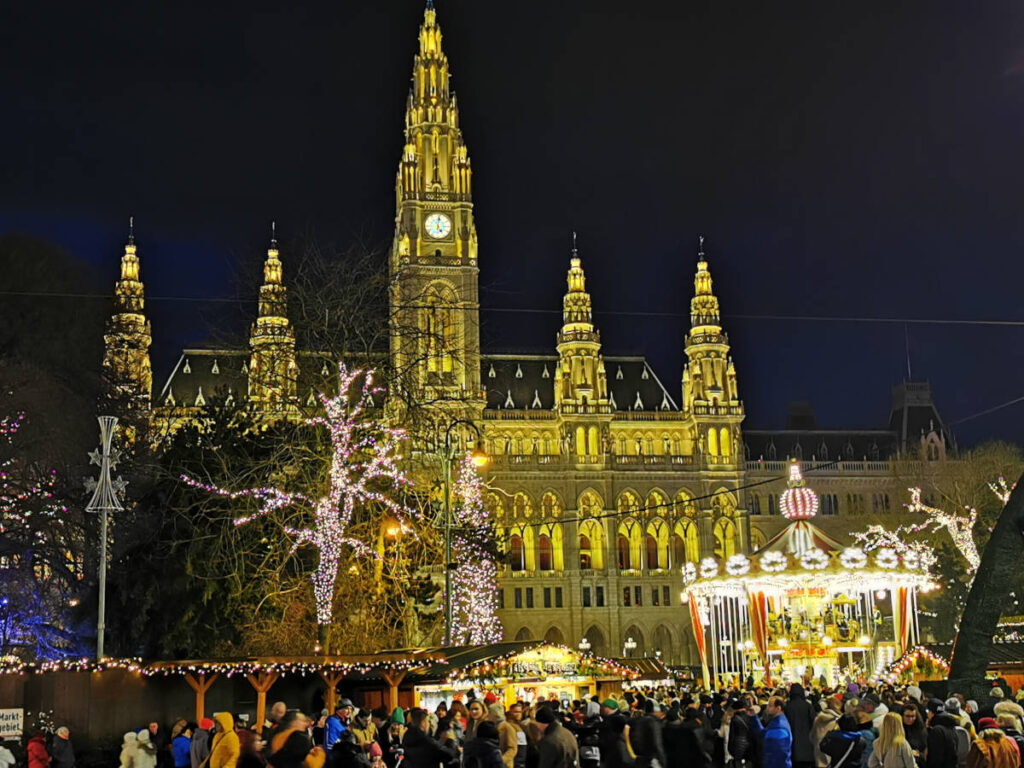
(804, 607)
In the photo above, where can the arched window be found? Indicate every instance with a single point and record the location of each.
(687, 538)
(628, 503)
(678, 551)
(550, 506)
(591, 541)
(757, 539)
(521, 505)
(439, 328)
(622, 547)
(713, 442)
(594, 442)
(651, 547)
(545, 559)
(684, 506)
(517, 553)
(725, 442)
(725, 538)
(586, 559)
(581, 441)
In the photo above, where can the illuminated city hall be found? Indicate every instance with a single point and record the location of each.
(606, 480)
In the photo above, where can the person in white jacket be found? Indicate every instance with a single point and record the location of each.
(129, 749)
(891, 749)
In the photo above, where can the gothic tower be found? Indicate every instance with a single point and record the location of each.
(127, 375)
(273, 372)
(710, 393)
(435, 332)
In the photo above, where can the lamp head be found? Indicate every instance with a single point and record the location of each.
(479, 458)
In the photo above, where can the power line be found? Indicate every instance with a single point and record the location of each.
(555, 311)
(987, 411)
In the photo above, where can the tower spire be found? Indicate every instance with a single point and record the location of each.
(131, 230)
(580, 377)
(272, 368)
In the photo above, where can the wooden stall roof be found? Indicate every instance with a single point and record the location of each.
(352, 666)
(648, 668)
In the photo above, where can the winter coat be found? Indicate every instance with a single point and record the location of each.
(62, 753)
(482, 753)
(557, 748)
(612, 743)
(199, 748)
(422, 751)
(823, 723)
(129, 749)
(145, 755)
(181, 748)
(291, 748)
(844, 746)
(6, 757)
(225, 748)
(739, 744)
(992, 750)
(942, 742)
(800, 714)
(699, 744)
(898, 756)
(333, 729)
(645, 738)
(37, 756)
(777, 741)
(512, 743)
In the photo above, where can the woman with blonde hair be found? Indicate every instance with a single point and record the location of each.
(891, 749)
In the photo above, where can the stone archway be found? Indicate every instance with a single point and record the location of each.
(972, 649)
(554, 636)
(524, 634)
(662, 641)
(596, 639)
(638, 637)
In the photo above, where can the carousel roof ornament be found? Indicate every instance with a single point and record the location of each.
(798, 502)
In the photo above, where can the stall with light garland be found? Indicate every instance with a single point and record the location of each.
(805, 606)
(518, 671)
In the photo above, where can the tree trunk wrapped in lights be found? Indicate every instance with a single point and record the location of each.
(364, 471)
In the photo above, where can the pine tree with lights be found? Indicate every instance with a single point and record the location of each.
(475, 583)
(363, 471)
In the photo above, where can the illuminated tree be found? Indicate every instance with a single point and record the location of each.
(960, 527)
(363, 471)
(475, 582)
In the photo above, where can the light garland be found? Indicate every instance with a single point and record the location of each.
(475, 583)
(708, 568)
(689, 573)
(814, 560)
(917, 555)
(1002, 490)
(960, 527)
(773, 562)
(901, 666)
(499, 667)
(362, 451)
(853, 558)
(887, 558)
(737, 565)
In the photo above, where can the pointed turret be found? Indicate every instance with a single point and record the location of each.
(580, 380)
(272, 368)
(127, 375)
(710, 391)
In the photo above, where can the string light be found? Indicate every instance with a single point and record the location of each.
(960, 527)
(896, 669)
(1002, 490)
(363, 452)
(475, 583)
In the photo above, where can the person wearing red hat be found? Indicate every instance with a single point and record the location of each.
(199, 749)
(489, 698)
(992, 748)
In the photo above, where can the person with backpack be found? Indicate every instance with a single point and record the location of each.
(891, 749)
(825, 721)
(844, 745)
(1008, 725)
(945, 743)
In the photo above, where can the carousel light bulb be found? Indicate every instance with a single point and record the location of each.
(783, 642)
(880, 594)
(826, 640)
(864, 640)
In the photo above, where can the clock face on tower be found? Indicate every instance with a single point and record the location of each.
(438, 225)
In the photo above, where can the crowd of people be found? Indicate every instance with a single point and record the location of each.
(881, 727)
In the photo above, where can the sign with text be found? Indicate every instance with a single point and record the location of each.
(12, 723)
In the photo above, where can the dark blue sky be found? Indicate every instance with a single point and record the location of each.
(852, 160)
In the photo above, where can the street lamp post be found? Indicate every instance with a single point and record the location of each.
(104, 500)
(479, 459)
(584, 645)
(629, 647)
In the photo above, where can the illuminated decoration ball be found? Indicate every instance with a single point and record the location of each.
(887, 558)
(737, 565)
(797, 502)
(689, 573)
(773, 562)
(912, 559)
(853, 558)
(708, 568)
(814, 560)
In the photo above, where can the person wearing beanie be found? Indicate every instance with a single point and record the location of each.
(422, 751)
(557, 747)
(1004, 705)
(199, 749)
(825, 721)
(952, 707)
(914, 692)
(376, 756)
(800, 715)
(945, 742)
(364, 730)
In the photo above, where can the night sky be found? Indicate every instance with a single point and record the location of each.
(847, 160)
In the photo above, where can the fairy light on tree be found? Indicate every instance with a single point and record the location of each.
(475, 582)
(960, 527)
(364, 471)
(1002, 489)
